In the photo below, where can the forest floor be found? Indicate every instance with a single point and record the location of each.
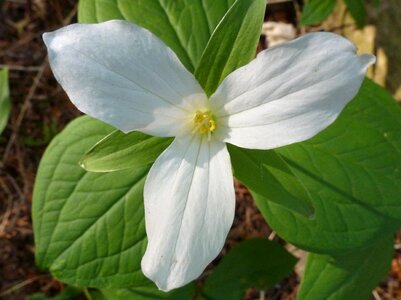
(40, 110)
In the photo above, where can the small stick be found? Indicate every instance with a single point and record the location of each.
(262, 295)
(31, 93)
(272, 236)
(20, 285)
(21, 68)
(24, 108)
(376, 295)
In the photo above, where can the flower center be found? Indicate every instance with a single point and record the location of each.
(204, 123)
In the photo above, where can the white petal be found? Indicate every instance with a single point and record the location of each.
(123, 75)
(290, 92)
(189, 209)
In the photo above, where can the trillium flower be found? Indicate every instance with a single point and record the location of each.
(123, 75)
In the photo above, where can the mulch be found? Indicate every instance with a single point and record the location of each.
(40, 109)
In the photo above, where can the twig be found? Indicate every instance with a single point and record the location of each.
(31, 93)
(70, 16)
(87, 294)
(16, 187)
(20, 43)
(24, 108)
(341, 27)
(262, 295)
(4, 218)
(21, 285)
(272, 236)
(21, 68)
(376, 295)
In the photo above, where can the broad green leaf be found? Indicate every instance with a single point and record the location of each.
(185, 25)
(349, 276)
(107, 10)
(357, 11)
(351, 172)
(89, 227)
(232, 44)
(316, 11)
(149, 292)
(94, 11)
(265, 173)
(120, 151)
(5, 105)
(87, 11)
(255, 263)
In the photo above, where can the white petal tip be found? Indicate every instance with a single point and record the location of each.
(47, 37)
(166, 288)
(368, 59)
(50, 40)
(152, 274)
(163, 282)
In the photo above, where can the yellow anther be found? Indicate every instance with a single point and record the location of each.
(204, 122)
(212, 125)
(199, 117)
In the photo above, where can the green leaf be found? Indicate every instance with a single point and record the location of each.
(120, 151)
(349, 276)
(256, 263)
(185, 26)
(107, 10)
(357, 11)
(5, 105)
(87, 11)
(149, 292)
(225, 50)
(351, 172)
(94, 11)
(89, 227)
(316, 11)
(265, 173)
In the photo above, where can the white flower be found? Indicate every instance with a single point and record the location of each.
(123, 75)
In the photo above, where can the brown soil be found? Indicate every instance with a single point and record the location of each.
(40, 110)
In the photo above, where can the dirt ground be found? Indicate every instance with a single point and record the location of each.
(40, 110)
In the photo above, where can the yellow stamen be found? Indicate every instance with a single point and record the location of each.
(204, 123)
(212, 125)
